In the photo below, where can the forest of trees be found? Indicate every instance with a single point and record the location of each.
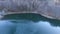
(45, 7)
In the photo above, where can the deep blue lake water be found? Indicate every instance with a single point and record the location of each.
(28, 24)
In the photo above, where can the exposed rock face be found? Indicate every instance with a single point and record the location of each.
(47, 8)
